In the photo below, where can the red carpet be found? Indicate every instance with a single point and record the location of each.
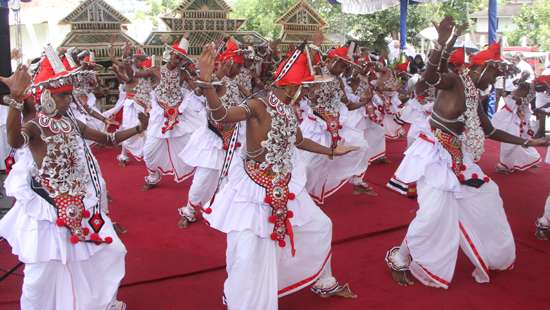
(169, 268)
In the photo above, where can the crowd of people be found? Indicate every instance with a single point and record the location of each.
(266, 139)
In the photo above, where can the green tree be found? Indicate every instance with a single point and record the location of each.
(533, 23)
(157, 8)
(260, 15)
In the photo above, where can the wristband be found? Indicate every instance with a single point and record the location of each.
(18, 105)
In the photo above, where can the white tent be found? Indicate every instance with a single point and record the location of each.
(370, 6)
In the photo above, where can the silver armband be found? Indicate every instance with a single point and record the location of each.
(246, 108)
(26, 138)
(18, 105)
(221, 118)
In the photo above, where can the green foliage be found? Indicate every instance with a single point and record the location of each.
(371, 29)
(261, 15)
(534, 24)
(157, 8)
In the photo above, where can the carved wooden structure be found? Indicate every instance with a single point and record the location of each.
(300, 23)
(202, 21)
(94, 25)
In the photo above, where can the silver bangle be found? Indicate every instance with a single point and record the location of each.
(246, 108)
(436, 82)
(220, 119)
(18, 105)
(430, 63)
(492, 132)
(212, 110)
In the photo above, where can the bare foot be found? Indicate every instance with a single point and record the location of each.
(502, 170)
(401, 277)
(183, 222)
(364, 189)
(343, 291)
(542, 232)
(148, 186)
(119, 229)
(382, 160)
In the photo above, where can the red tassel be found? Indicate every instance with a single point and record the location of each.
(85, 231)
(268, 200)
(95, 237)
(272, 219)
(474, 176)
(486, 179)
(60, 222)
(461, 178)
(273, 236)
(462, 167)
(291, 196)
(238, 144)
(208, 210)
(74, 239)
(282, 243)
(86, 214)
(289, 214)
(108, 240)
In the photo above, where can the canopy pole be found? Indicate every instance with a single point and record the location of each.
(492, 21)
(492, 102)
(403, 8)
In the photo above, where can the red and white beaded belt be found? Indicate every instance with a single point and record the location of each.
(333, 124)
(171, 114)
(277, 196)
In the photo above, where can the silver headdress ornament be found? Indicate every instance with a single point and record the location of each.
(70, 59)
(54, 59)
(47, 103)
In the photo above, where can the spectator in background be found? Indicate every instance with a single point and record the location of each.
(527, 73)
(417, 65)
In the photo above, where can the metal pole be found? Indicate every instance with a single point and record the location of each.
(403, 8)
(492, 31)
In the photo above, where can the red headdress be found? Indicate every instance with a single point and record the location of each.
(68, 62)
(403, 67)
(458, 57)
(543, 79)
(147, 63)
(52, 74)
(341, 53)
(297, 69)
(181, 48)
(232, 53)
(492, 53)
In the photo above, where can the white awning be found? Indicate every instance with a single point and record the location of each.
(371, 6)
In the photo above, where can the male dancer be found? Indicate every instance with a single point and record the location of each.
(265, 192)
(543, 223)
(58, 226)
(207, 148)
(172, 122)
(136, 74)
(513, 118)
(459, 205)
(327, 125)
